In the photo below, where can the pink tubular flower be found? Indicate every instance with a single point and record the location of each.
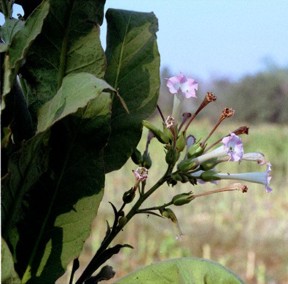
(186, 86)
(141, 174)
(234, 147)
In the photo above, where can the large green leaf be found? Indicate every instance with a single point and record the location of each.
(20, 42)
(69, 43)
(8, 274)
(183, 270)
(133, 69)
(56, 183)
(76, 92)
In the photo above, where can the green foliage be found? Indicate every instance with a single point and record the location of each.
(183, 270)
(257, 98)
(54, 183)
(18, 40)
(133, 69)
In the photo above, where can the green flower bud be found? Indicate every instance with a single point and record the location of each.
(209, 165)
(136, 157)
(195, 150)
(169, 214)
(147, 162)
(209, 176)
(186, 165)
(129, 195)
(183, 198)
(171, 156)
(181, 142)
(157, 132)
(122, 221)
(168, 133)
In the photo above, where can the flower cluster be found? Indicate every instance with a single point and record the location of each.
(199, 161)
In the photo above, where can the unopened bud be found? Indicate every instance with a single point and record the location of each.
(195, 150)
(147, 162)
(181, 142)
(171, 156)
(186, 165)
(209, 176)
(210, 164)
(169, 214)
(122, 221)
(129, 195)
(157, 132)
(136, 157)
(183, 198)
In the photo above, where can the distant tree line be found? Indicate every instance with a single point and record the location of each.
(258, 98)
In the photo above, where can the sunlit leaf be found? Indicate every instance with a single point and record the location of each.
(50, 208)
(183, 270)
(69, 43)
(21, 42)
(133, 69)
(76, 92)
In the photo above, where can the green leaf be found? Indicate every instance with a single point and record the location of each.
(8, 274)
(53, 206)
(21, 42)
(69, 43)
(76, 92)
(183, 270)
(9, 29)
(133, 69)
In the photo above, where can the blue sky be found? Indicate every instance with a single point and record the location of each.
(217, 38)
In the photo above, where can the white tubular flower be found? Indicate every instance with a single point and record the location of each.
(256, 177)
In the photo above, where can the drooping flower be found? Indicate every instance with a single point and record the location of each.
(185, 86)
(233, 146)
(255, 156)
(256, 177)
(141, 174)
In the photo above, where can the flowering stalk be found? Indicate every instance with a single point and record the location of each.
(208, 99)
(227, 112)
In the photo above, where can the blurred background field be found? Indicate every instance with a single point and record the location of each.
(248, 233)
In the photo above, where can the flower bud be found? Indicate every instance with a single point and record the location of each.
(122, 221)
(186, 165)
(183, 198)
(181, 142)
(136, 157)
(195, 150)
(209, 176)
(210, 164)
(147, 162)
(157, 132)
(168, 133)
(128, 196)
(172, 156)
(169, 214)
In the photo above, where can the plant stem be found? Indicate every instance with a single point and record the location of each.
(92, 266)
(5, 9)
